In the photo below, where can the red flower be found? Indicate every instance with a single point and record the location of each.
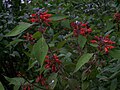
(42, 29)
(42, 16)
(106, 49)
(52, 63)
(41, 80)
(58, 61)
(47, 57)
(47, 66)
(104, 43)
(33, 20)
(80, 28)
(117, 16)
(33, 15)
(93, 41)
(84, 24)
(29, 37)
(54, 69)
(26, 87)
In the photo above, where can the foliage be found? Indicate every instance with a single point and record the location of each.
(61, 45)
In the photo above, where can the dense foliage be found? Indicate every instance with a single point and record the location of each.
(60, 45)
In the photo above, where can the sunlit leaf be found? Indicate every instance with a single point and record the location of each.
(82, 41)
(83, 59)
(1, 86)
(52, 80)
(19, 29)
(40, 50)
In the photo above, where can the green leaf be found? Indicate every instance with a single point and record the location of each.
(93, 45)
(109, 32)
(115, 54)
(16, 87)
(40, 50)
(14, 42)
(19, 29)
(17, 82)
(61, 44)
(52, 80)
(68, 35)
(109, 25)
(82, 41)
(27, 54)
(85, 85)
(1, 86)
(65, 23)
(58, 17)
(73, 84)
(83, 59)
(113, 85)
(31, 64)
(37, 35)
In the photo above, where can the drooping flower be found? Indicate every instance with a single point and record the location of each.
(52, 63)
(104, 43)
(45, 17)
(41, 17)
(117, 16)
(27, 87)
(29, 37)
(80, 28)
(42, 80)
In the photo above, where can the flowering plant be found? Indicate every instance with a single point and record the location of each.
(64, 49)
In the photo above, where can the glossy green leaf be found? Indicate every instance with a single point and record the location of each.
(1, 86)
(52, 80)
(40, 50)
(19, 29)
(83, 59)
(115, 54)
(17, 82)
(58, 17)
(82, 41)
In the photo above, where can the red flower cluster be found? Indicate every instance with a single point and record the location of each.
(40, 79)
(80, 28)
(52, 63)
(105, 44)
(117, 16)
(27, 87)
(29, 37)
(42, 16)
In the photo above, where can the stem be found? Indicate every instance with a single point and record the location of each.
(118, 26)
